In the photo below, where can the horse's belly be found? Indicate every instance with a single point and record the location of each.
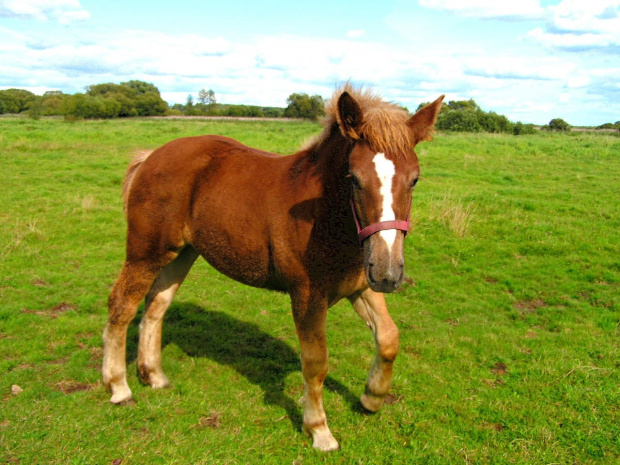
(234, 208)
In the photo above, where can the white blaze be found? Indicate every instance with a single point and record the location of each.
(385, 171)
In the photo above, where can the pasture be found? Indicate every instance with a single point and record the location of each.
(508, 317)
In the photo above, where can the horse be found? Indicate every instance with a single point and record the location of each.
(324, 224)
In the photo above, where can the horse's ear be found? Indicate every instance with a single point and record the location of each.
(349, 116)
(422, 124)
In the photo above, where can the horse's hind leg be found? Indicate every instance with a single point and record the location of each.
(130, 288)
(371, 307)
(157, 302)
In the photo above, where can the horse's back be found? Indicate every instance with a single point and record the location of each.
(215, 194)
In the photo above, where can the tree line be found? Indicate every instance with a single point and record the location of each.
(132, 98)
(139, 98)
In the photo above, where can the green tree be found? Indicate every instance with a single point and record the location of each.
(304, 106)
(150, 104)
(102, 89)
(52, 102)
(237, 110)
(83, 106)
(492, 122)
(141, 87)
(458, 120)
(463, 105)
(206, 97)
(15, 100)
(189, 105)
(521, 129)
(558, 124)
(132, 98)
(211, 97)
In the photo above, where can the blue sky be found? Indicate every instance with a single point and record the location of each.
(532, 60)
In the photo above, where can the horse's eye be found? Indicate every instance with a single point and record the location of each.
(354, 181)
(415, 181)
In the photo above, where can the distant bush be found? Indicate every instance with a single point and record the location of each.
(615, 126)
(304, 106)
(463, 105)
(133, 98)
(459, 121)
(467, 116)
(271, 112)
(492, 122)
(15, 100)
(520, 129)
(557, 124)
(109, 100)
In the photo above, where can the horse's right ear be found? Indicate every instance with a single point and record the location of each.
(349, 116)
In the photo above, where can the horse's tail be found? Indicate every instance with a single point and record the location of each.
(138, 159)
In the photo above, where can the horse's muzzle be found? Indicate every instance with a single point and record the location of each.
(385, 268)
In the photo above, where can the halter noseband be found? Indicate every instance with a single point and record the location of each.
(363, 233)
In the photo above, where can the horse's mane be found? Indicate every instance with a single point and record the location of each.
(384, 124)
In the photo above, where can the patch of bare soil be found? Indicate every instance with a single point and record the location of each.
(529, 306)
(53, 312)
(71, 386)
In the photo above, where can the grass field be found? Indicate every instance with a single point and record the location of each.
(509, 316)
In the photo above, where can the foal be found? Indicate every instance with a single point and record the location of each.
(324, 224)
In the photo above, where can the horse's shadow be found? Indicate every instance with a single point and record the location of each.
(261, 358)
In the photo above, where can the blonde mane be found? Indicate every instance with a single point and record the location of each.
(384, 124)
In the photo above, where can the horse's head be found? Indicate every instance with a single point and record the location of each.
(383, 170)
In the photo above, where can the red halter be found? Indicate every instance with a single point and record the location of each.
(363, 233)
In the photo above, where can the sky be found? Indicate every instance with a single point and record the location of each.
(531, 60)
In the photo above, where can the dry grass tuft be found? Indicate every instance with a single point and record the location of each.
(456, 217)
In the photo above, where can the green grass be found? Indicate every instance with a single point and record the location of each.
(509, 318)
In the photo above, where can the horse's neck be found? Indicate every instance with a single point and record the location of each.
(332, 158)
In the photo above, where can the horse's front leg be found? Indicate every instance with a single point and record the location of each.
(310, 315)
(370, 305)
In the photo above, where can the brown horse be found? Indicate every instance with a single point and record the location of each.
(323, 224)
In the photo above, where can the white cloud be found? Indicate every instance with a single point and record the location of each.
(63, 11)
(524, 9)
(356, 33)
(518, 67)
(593, 16)
(67, 17)
(573, 41)
(570, 25)
(263, 72)
(578, 81)
(579, 25)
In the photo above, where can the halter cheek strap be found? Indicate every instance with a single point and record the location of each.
(363, 233)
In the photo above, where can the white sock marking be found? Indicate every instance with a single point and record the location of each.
(386, 171)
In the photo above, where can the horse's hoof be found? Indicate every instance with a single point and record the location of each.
(125, 403)
(322, 440)
(122, 397)
(325, 443)
(155, 380)
(372, 403)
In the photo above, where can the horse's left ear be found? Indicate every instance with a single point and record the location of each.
(422, 124)
(349, 116)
